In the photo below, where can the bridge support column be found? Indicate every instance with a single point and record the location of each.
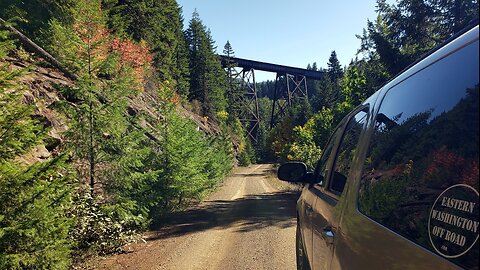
(243, 91)
(289, 89)
(249, 115)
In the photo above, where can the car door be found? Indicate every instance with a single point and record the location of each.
(332, 170)
(306, 203)
(310, 193)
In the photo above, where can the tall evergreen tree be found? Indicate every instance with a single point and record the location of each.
(313, 87)
(196, 34)
(160, 24)
(234, 86)
(107, 149)
(100, 133)
(334, 71)
(207, 78)
(331, 84)
(326, 92)
(181, 73)
(453, 15)
(326, 95)
(228, 50)
(404, 32)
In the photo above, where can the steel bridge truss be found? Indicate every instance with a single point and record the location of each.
(289, 89)
(243, 89)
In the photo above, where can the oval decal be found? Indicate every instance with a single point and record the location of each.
(453, 223)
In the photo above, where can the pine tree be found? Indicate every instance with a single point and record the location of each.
(107, 148)
(329, 87)
(207, 78)
(216, 81)
(314, 89)
(405, 31)
(334, 70)
(182, 71)
(326, 94)
(234, 91)
(110, 72)
(196, 37)
(34, 197)
(190, 162)
(455, 14)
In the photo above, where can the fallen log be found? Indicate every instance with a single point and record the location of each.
(30, 46)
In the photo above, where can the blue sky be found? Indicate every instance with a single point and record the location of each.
(285, 32)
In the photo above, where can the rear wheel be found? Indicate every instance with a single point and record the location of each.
(302, 261)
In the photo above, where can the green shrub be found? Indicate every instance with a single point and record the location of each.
(102, 228)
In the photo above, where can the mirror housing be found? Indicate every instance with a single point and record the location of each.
(294, 171)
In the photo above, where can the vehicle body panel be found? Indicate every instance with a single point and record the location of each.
(305, 205)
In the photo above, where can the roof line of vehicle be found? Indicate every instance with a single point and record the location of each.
(474, 23)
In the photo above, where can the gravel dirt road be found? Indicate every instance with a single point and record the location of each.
(247, 223)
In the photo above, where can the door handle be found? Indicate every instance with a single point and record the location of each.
(328, 235)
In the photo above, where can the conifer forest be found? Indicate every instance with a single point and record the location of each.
(138, 120)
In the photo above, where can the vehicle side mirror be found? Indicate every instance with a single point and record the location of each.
(294, 171)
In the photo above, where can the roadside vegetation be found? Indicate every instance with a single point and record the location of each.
(118, 168)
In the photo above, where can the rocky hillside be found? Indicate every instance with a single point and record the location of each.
(42, 83)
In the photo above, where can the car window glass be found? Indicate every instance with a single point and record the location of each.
(321, 170)
(346, 151)
(421, 175)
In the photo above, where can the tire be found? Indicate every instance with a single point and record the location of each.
(302, 261)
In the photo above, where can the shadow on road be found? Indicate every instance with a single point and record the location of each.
(251, 174)
(246, 214)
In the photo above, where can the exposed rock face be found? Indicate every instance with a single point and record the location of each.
(42, 84)
(40, 89)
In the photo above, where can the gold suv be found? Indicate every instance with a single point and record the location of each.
(397, 184)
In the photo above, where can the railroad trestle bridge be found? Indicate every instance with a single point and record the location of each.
(290, 88)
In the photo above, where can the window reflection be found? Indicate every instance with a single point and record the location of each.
(411, 163)
(346, 151)
(426, 139)
(321, 169)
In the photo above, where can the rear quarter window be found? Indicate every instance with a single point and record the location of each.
(421, 175)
